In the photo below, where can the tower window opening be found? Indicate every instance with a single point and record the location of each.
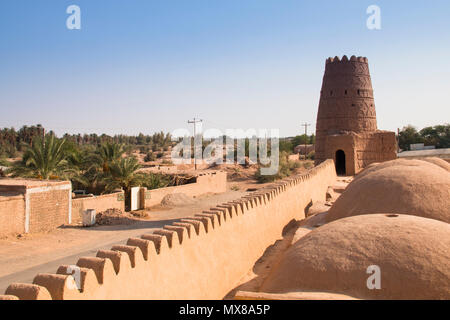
(331, 93)
(345, 91)
(359, 92)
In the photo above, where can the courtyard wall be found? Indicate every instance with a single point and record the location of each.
(98, 203)
(34, 205)
(210, 182)
(12, 215)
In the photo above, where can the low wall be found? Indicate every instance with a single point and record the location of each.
(12, 215)
(98, 203)
(161, 169)
(49, 207)
(206, 182)
(202, 257)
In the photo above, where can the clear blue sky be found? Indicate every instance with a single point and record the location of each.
(149, 65)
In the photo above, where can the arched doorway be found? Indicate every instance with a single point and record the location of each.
(340, 163)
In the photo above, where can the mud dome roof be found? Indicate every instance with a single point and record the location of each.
(439, 162)
(413, 255)
(412, 187)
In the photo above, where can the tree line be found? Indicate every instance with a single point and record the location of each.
(13, 142)
(438, 136)
(98, 169)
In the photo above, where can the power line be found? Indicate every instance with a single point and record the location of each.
(194, 122)
(306, 125)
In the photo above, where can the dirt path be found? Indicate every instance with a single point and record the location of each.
(21, 259)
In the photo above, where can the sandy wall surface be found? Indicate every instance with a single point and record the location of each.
(202, 257)
(215, 182)
(28, 206)
(98, 203)
(12, 215)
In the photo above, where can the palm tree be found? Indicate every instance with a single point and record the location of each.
(123, 174)
(107, 154)
(46, 159)
(97, 165)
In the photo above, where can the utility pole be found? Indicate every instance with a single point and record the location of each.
(194, 122)
(306, 125)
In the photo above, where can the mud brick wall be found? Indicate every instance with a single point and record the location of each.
(98, 203)
(12, 215)
(215, 182)
(48, 209)
(33, 205)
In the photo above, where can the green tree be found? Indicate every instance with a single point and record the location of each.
(438, 136)
(407, 136)
(156, 180)
(123, 174)
(96, 163)
(4, 162)
(285, 169)
(48, 158)
(106, 155)
(302, 139)
(150, 157)
(286, 146)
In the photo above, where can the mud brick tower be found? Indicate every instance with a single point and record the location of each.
(346, 129)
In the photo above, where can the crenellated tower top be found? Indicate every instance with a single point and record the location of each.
(346, 59)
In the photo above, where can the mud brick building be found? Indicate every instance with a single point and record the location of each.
(346, 129)
(34, 205)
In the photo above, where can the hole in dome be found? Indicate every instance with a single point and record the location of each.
(392, 215)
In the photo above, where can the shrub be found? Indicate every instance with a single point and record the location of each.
(308, 165)
(156, 180)
(144, 149)
(150, 157)
(285, 169)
